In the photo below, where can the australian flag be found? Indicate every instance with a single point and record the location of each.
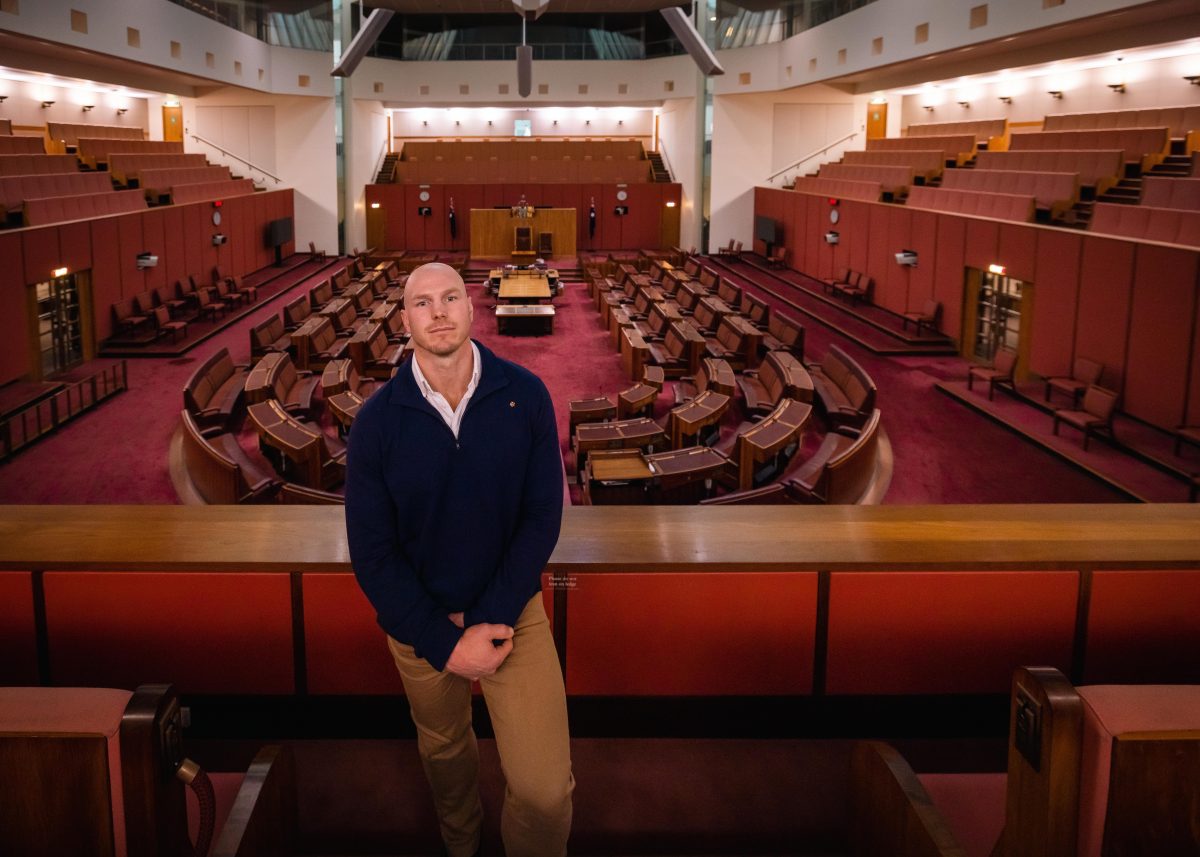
(592, 219)
(453, 220)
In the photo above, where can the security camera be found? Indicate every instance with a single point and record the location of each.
(219, 239)
(908, 258)
(146, 260)
(832, 237)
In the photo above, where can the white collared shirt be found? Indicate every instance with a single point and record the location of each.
(453, 417)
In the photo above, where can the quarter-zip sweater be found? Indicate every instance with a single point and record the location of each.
(438, 525)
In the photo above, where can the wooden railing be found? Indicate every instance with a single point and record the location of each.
(40, 418)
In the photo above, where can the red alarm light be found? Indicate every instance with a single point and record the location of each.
(833, 200)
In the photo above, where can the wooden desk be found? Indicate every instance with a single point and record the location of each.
(720, 375)
(260, 381)
(638, 400)
(616, 477)
(797, 383)
(778, 429)
(590, 411)
(689, 419)
(751, 339)
(492, 230)
(344, 406)
(635, 353)
(301, 336)
(622, 434)
(335, 377)
(299, 444)
(683, 475)
(537, 319)
(524, 286)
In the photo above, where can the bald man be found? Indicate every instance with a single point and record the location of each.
(453, 506)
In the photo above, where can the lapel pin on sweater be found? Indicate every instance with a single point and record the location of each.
(512, 404)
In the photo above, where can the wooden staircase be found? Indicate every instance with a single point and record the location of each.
(387, 171)
(661, 173)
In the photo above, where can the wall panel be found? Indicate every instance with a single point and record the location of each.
(1193, 402)
(1142, 627)
(946, 632)
(18, 638)
(879, 252)
(1160, 334)
(106, 274)
(75, 245)
(853, 232)
(129, 242)
(1102, 317)
(923, 239)
(154, 241)
(1056, 294)
(816, 215)
(983, 242)
(345, 649)
(14, 321)
(948, 277)
(174, 261)
(628, 634)
(39, 248)
(892, 292)
(1017, 250)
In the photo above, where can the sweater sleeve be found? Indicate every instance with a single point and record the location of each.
(518, 574)
(404, 608)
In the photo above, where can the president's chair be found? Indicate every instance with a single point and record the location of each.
(94, 772)
(523, 252)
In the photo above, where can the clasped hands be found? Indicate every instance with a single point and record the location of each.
(476, 655)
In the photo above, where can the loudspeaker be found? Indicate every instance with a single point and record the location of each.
(371, 27)
(524, 70)
(700, 52)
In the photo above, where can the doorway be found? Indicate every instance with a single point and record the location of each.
(58, 315)
(999, 309)
(876, 121)
(172, 124)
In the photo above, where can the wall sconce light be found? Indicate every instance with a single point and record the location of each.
(670, 203)
(121, 111)
(1193, 79)
(1055, 93)
(620, 121)
(88, 107)
(59, 272)
(46, 104)
(964, 104)
(587, 121)
(3, 98)
(456, 122)
(374, 205)
(555, 123)
(489, 123)
(1117, 87)
(1007, 99)
(929, 107)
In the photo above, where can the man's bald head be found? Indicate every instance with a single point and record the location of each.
(437, 274)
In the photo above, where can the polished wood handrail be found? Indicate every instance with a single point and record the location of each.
(634, 539)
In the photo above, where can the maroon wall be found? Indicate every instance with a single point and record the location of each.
(405, 230)
(180, 235)
(1133, 306)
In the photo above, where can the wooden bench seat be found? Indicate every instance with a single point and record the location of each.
(1020, 208)
(1099, 169)
(158, 183)
(959, 148)
(1144, 147)
(203, 191)
(58, 209)
(267, 336)
(126, 169)
(276, 377)
(843, 469)
(14, 190)
(94, 151)
(1056, 193)
(30, 165)
(1163, 192)
(214, 391)
(21, 145)
(927, 164)
(64, 136)
(1146, 223)
(782, 334)
(220, 470)
(894, 179)
(845, 392)
(680, 351)
(736, 341)
(1182, 122)
(868, 191)
(990, 133)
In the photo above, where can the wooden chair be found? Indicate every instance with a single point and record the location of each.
(545, 244)
(523, 251)
(1084, 373)
(1095, 414)
(98, 771)
(930, 315)
(778, 258)
(314, 252)
(163, 324)
(1000, 372)
(727, 250)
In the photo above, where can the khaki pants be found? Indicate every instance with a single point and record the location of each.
(528, 707)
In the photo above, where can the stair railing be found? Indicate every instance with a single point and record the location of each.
(236, 157)
(662, 153)
(383, 153)
(821, 151)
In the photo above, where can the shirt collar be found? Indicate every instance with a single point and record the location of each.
(476, 371)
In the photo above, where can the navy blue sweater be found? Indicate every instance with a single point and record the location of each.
(437, 526)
